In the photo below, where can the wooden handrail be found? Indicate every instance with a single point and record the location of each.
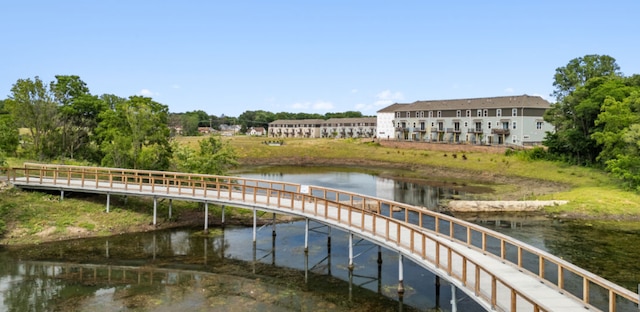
(343, 200)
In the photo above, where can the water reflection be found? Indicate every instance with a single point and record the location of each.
(177, 269)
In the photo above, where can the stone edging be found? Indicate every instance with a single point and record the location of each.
(501, 205)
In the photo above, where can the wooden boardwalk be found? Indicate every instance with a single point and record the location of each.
(498, 272)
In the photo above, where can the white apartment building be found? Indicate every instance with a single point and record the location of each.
(514, 120)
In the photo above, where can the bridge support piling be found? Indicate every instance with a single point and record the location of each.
(222, 216)
(61, 195)
(350, 252)
(379, 255)
(329, 241)
(155, 210)
(170, 207)
(454, 302)
(108, 201)
(255, 219)
(206, 217)
(400, 275)
(273, 225)
(437, 291)
(306, 236)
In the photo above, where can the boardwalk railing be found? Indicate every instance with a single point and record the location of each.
(423, 234)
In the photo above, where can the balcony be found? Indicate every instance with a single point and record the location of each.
(474, 130)
(453, 130)
(500, 131)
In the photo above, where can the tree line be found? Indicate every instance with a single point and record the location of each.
(597, 117)
(62, 120)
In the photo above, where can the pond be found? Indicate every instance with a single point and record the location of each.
(179, 269)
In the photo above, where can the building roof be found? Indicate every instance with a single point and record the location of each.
(352, 120)
(391, 108)
(474, 103)
(296, 121)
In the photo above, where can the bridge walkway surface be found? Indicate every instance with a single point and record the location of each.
(498, 272)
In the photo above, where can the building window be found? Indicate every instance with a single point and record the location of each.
(539, 125)
(489, 125)
(466, 124)
(513, 124)
(430, 114)
(422, 114)
(515, 139)
(433, 124)
(397, 114)
(499, 112)
(468, 113)
(514, 112)
(408, 114)
(458, 113)
(439, 114)
(422, 126)
(485, 113)
(479, 113)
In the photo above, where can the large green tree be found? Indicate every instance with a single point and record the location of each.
(32, 106)
(78, 112)
(579, 70)
(581, 88)
(136, 135)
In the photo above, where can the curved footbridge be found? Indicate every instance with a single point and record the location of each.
(498, 272)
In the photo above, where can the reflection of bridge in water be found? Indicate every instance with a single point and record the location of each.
(496, 271)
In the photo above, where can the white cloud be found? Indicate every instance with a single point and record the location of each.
(318, 105)
(354, 90)
(146, 92)
(509, 90)
(387, 97)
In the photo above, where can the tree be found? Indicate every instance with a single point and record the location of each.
(213, 157)
(32, 106)
(9, 135)
(78, 112)
(136, 135)
(579, 70)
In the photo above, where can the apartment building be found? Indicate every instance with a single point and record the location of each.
(514, 120)
(364, 127)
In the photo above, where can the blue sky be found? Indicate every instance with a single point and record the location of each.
(227, 57)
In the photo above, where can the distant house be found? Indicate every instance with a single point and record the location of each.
(204, 130)
(257, 131)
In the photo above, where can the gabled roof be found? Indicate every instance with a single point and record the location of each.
(391, 108)
(352, 120)
(478, 103)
